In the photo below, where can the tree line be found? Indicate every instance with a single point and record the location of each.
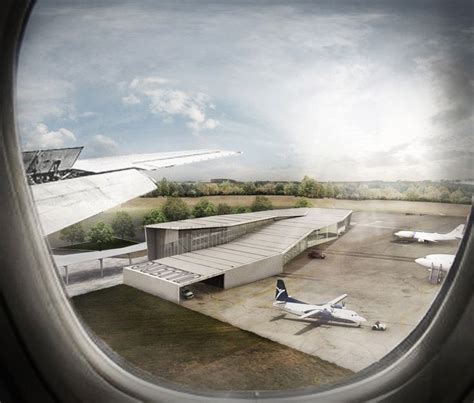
(101, 233)
(444, 191)
(174, 209)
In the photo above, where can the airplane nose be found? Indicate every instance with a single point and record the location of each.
(421, 260)
(361, 319)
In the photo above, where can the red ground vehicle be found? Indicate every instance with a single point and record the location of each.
(316, 254)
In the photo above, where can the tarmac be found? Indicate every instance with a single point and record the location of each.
(86, 277)
(368, 263)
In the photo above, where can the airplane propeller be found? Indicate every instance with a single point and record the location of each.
(325, 315)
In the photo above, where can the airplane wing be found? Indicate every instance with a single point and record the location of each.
(313, 313)
(107, 182)
(337, 300)
(427, 238)
(149, 161)
(63, 203)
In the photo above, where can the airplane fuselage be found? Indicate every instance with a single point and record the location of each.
(424, 236)
(329, 313)
(440, 261)
(420, 236)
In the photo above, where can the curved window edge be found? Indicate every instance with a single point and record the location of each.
(70, 361)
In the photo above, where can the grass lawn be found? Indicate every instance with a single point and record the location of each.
(114, 243)
(184, 346)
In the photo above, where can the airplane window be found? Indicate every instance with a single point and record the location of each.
(270, 193)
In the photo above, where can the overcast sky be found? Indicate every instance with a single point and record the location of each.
(336, 90)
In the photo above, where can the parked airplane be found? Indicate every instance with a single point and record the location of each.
(332, 311)
(68, 190)
(442, 262)
(431, 236)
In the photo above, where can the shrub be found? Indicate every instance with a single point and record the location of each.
(261, 203)
(154, 216)
(223, 208)
(241, 209)
(204, 208)
(122, 225)
(74, 233)
(302, 202)
(100, 234)
(175, 209)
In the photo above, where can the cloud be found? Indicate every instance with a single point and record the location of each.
(101, 145)
(400, 154)
(211, 124)
(41, 137)
(302, 84)
(131, 100)
(43, 98)
(87, 114)
(136, 82)
(170, 102)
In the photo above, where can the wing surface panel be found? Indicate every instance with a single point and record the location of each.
(337, 300)
(149, 161)
(67, 202)
(314, 313)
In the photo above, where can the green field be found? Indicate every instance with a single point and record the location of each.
(184, 346)
(137, 208)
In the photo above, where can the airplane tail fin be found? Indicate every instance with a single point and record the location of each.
(458, 231)
(280, 291)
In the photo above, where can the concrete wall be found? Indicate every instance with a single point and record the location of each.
(150, 238)
(160, 240)
(152, 285)
(253, 271)
(157, 238)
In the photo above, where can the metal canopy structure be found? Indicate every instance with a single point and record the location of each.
(255, 254)
(75, 258)
(66, 260)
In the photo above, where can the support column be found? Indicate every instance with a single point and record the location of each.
(66, 272)
(101, 267)
(129, 258)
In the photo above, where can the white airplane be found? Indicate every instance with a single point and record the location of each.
(332, 311)
(442, 262)
(431, 236)
(67, 190)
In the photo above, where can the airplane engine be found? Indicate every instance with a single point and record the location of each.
(421, 240)
(325, 316)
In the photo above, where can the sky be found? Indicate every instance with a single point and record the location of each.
(337, 90)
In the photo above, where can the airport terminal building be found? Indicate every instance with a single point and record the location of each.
(230, 250)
